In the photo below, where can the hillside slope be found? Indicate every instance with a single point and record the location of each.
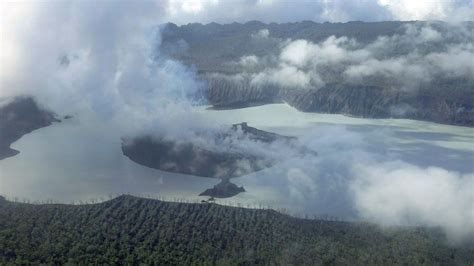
(131, 230)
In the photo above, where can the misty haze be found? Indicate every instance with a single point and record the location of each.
(235, 132)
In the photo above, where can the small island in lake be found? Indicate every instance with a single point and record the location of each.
(187, 157)
(225, 189)
(225, 158)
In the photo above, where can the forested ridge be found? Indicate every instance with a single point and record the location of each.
(134, 230)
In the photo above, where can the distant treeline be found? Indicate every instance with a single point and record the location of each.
(131, 230)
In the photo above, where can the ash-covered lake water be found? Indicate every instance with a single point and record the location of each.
(361, 165)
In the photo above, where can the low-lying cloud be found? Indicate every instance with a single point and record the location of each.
(420, 57)
(401, 193)
(97, 59)
(355, 176)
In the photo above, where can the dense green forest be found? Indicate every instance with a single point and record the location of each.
(134, 230)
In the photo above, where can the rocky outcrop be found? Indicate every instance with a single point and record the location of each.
(19, 117)
(377, 102)
(364, 101)
(260, 135)
(224, 94)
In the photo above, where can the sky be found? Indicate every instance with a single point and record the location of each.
(111, 32)
(228, 11)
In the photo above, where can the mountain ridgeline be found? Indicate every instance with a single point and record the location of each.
(234, 58)
(130, 230)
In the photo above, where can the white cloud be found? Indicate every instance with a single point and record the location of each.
(451, 10)
(192, 6)
(416, 10)
(223, 11)
(400, 193)
(409, 60)
(430, 35)
(303, 53)
(112, 69)
(394, 68)
(301, 186)
(249, 61)
(457, 61)
(285, 76)
(298, 52)
(263, 33)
